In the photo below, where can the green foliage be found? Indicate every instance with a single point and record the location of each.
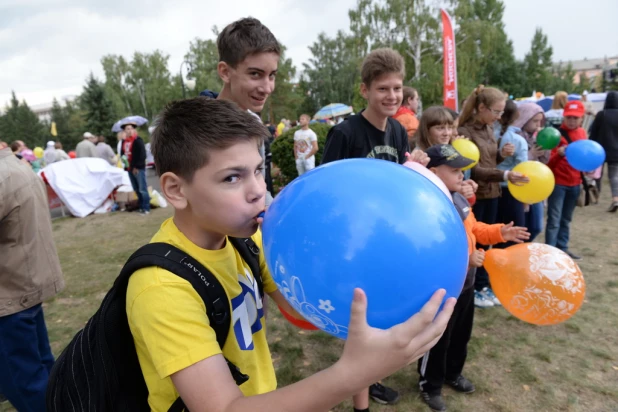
(98, 109)
(21, 123)
(141, 86)
(283, 151)
(538, 63)
(70, 124)
(203, 58)
(331, 73)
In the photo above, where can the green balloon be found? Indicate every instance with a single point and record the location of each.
(548, 138)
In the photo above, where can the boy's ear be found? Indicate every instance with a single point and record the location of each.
(364, 91)
(173, 187)
(223, 69)
(434, 170)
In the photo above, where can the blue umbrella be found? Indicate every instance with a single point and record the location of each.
(116, 127)
(136, 120)
(333, 110)
(545, 103)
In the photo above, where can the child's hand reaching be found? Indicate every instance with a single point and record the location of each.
(477, 258)
(418, 156)
(514, 233)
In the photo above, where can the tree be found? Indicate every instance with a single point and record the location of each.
(21, 123)
(70, 124)
(331, 73)
(149, 78)
(116, 70)
(409, 26)
(99, 113)
(203, 57)
(140, 87)
(485, 54)
(538, 63)
(562, 79)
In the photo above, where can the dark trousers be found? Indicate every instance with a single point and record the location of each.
(486, 211)
(510, 210)
(445, 361)
(25, 359)
(534, 220)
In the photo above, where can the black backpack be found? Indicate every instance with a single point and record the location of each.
(99, 370)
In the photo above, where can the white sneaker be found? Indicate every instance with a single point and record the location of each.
(489, 294)
(481, 300)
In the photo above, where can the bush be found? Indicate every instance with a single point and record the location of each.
(283, 151)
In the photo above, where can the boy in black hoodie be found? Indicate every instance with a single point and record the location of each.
(604, 130)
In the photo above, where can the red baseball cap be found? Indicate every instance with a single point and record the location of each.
(574, 108)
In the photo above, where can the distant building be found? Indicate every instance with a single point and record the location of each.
(44, 110)
(594, 69)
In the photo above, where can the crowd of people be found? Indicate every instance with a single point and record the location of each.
(210, 155)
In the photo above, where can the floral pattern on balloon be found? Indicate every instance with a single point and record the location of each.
(295, 295)
(556, 266)
(536, 283)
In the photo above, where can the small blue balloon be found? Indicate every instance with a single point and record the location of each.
(585, 155)
(363, 223)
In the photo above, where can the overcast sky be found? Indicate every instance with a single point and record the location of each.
(48, 47)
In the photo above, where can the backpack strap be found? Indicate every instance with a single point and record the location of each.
(250, 253)
(211, 291)
(176, 261)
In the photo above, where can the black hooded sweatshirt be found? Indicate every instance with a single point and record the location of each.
(604, 129)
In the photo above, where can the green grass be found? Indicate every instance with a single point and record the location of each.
(515, 366)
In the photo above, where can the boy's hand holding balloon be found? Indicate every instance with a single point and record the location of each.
(477, 258)
(418, 156)
(384, 351)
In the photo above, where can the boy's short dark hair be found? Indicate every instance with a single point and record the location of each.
(382, 61)
(15, 146)
(187, 130)
(243, 38)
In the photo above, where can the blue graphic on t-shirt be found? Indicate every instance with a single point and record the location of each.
(247, 311)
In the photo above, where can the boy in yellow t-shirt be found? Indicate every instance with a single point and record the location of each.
(206, 154)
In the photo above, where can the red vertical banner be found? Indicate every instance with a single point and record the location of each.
(450, 62)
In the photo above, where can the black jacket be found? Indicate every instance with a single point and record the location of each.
(604, 129)
(138, 154)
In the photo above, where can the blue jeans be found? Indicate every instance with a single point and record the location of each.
(25, 359)
(534, 220)
(141, 189)
(561, 204)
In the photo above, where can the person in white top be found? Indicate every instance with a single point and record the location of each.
(305, 146)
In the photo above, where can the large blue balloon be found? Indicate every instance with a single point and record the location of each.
(363, 223)
(585, 155)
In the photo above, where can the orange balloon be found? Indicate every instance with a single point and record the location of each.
(536, 283)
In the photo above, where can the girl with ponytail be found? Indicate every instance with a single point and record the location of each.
(483, 107)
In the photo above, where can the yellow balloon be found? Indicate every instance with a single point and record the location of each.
(38, 152)
(541, 183)
(469, 150)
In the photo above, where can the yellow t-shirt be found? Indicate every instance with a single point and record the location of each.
(170, 327)
(280, 128)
